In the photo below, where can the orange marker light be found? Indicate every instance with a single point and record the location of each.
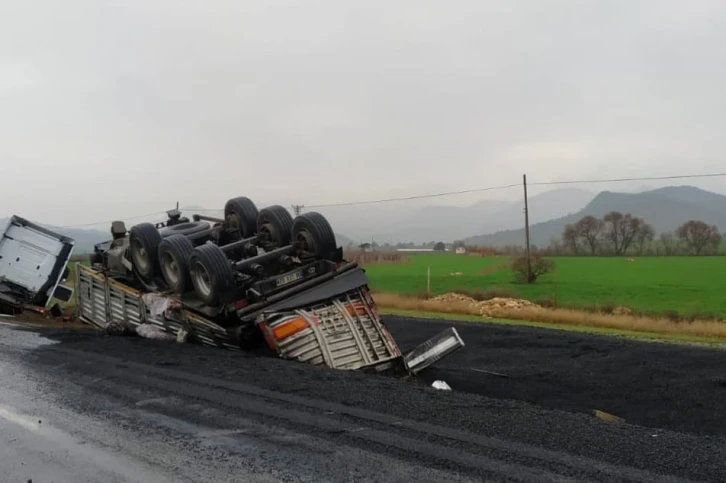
(289, 328)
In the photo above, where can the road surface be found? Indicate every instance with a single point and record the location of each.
(76, 406)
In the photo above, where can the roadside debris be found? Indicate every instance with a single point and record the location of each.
(607, 417)
(120, 327)
(150, 331)
(441, 385)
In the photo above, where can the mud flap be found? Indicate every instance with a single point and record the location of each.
(433, 350)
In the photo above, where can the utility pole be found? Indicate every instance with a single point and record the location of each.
(526, 228)
(297, 209)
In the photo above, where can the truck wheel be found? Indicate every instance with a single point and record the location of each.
(211, 273)
(313, 234)
(174, 254)
(275, 225)
(240, 216)
(187, 228)
(144, 241)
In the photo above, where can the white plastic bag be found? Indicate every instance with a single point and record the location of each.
(441, 385)
(150, 331)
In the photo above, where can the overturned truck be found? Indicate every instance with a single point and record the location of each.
(252, 278)
(33, 267)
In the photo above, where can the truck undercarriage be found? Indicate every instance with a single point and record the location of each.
(253, 278)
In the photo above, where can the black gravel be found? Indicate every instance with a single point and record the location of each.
(669, 395)
(654, 384)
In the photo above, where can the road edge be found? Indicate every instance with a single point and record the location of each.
(653, 337)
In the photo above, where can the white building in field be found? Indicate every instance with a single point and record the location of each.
(460, 250)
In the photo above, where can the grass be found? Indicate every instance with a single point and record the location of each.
(700, 331)
(680, 286)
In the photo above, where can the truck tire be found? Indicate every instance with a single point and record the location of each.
(274, 224)
(211, 273)
(174, 254)
(240, 216)
(144, 240)
(313, 234)
(187, 228)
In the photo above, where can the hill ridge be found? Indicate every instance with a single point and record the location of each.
(664, 208)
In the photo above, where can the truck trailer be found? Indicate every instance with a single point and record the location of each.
(250, 279)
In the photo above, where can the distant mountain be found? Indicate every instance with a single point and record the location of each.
(399, 223)
(664, 208)
(343, 240)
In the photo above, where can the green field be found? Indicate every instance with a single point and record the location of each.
(686, 285)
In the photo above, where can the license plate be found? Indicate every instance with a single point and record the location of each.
(290, 277)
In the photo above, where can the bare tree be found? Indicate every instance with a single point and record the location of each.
(539, 265)
(629, 229)
(699, 236)
(644, 236)
(611, 233)
(668, 242)
(569, 238)
(589, 229)
(621, 229)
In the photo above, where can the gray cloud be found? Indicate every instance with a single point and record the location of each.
(123, 107)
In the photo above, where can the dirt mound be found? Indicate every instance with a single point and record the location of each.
(485, 307)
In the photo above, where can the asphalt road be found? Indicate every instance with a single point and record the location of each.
(76, 406)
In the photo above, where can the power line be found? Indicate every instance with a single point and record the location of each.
(417, 197)
(111, 221)
(616, 180)
(541, 183)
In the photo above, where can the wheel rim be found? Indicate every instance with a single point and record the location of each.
(233, 222)
(305, 241)
(140, 256)
(267, 233)
(170, 269)
(202, 280)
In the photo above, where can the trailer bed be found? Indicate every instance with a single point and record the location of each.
(343, 331)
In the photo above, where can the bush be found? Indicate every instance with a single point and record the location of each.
(546, 302)
(607, 308)
(539, 265)
(672, 315)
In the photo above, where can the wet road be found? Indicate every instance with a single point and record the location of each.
(76, 406)
(52, 430)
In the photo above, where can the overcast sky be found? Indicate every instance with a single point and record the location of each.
(117, 108)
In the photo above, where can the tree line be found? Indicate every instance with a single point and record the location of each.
(619, 233)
